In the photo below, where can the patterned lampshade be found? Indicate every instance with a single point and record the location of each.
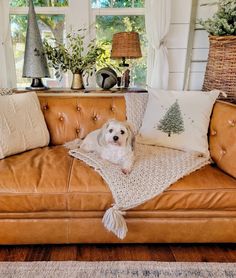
(126, 45)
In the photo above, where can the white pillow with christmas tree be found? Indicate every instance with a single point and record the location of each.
(178, 120)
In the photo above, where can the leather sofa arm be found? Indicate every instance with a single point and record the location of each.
(222, 137)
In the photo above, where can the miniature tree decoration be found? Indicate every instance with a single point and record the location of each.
(172, 122)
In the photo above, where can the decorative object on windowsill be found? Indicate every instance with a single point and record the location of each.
(35, 63)
(221, 67)
(126, 45)
(106, 78)
(73, 57)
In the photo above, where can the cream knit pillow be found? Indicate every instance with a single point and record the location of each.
(178, 120)
(22, 125)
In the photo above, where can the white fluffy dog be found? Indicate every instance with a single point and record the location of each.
(113, 142)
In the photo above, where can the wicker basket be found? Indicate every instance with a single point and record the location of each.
(221, 67)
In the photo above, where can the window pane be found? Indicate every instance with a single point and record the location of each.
(117, 3)
(122, 3)
(51, 26)
(101, 3)
(108, 25)
(40, 3)
(138, 3)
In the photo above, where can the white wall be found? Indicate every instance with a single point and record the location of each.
(200, 46)
(178, 41)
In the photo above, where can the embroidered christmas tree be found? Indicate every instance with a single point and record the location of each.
(172, 122)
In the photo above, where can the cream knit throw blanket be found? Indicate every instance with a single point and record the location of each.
(155, 169)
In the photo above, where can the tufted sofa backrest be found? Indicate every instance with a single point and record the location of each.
(68, 118)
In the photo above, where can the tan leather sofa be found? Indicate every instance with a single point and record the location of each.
(49, 197)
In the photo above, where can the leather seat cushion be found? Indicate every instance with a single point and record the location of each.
(48, 179)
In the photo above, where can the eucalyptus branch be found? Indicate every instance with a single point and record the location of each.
(75, 56)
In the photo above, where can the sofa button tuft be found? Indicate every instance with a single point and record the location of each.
(61, 118)
(213, 133)
(232, 122)
(45, 107)
(95, 118)
(113, 109)
(77, 130)
(223, 152)
(78, 108)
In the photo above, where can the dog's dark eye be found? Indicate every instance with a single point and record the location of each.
(122, 132)
(110, 130)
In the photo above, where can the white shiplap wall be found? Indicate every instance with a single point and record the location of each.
(200, 46)
(177, 41)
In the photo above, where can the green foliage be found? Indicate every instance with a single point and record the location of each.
(224, 20)
(172, 121)
(55, 23)
(73, 57)
(40, 3)
(117, 3)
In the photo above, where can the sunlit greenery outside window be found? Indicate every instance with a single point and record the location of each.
(117, 3)
(40, 3)
(51, 26)
(132, 20)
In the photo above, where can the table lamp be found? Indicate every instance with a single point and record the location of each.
(35, 63)
(126, 45)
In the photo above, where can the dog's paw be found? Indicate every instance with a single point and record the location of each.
(126, 171)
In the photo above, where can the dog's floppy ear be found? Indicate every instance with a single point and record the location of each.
(131, 135)
(101, 134)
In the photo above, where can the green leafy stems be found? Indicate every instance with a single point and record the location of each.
(74, 56)
(223, 22)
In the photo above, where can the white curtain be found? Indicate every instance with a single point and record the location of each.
(157, 17)
(7, 63)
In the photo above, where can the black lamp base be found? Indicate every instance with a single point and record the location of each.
(123, 64)
(37, 85)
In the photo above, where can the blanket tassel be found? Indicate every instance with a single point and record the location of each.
(114, 221)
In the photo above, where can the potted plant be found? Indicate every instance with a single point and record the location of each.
(74, 56)
(221, 66)
(223, 22)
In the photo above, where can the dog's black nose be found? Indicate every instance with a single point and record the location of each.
(115, 138)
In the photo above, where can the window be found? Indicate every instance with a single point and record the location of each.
(57, 17)
(51, 21)
(111, 16)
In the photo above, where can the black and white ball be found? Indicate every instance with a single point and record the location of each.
(106, 78)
